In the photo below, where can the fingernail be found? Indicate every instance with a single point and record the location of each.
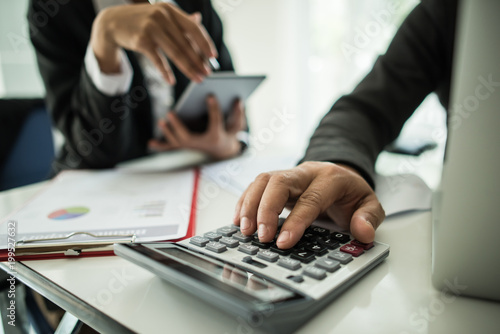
(245, 223)
(262, 231)
(211, 100)
(283, 237)
(207, 68)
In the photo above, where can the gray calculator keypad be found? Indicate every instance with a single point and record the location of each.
(268, 255)
(213, 236)
(241, 237)
(315, 272)
(316, 256)
(227, 231)
(199, 241)
(327, 264)
(289, 263)
(248, 249)
(216, 247)
(340, 256)
(229, 242)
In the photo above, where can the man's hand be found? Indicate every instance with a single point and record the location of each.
(219, 140)
(312, 188)
(155, 31)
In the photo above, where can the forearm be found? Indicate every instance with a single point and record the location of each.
(100, 130)
(345, 137)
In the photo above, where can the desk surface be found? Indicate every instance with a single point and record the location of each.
(395, 297)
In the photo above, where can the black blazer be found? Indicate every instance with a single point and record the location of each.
(100, 131)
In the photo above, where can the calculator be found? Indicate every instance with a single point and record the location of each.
(273, 290)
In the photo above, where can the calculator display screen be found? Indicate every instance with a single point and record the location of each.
(244, 281)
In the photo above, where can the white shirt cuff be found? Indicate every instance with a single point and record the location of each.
(109, 84)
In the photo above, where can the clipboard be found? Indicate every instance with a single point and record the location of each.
(100, 245)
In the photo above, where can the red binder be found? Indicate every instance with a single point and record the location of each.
(104, 250)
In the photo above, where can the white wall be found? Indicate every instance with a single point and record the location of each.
(311, 52)
(270, 37)
(19, 75)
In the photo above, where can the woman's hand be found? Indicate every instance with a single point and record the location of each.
(219, 140)
(155, 31)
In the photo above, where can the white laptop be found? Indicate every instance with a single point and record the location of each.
(466, 229)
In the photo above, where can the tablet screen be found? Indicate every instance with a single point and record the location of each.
(227, 87)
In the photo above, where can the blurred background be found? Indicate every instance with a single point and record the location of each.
(311, 51)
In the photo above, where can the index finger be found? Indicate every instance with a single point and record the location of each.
(281, 187)
(196, 32)
(315, 199)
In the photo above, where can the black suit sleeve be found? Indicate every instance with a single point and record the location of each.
(99, 130)
(417, 62)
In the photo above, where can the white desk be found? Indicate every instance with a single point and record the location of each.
(395, 297)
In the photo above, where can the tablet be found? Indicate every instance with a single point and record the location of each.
(227, 87)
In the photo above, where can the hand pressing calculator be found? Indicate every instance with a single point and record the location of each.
(274, 288)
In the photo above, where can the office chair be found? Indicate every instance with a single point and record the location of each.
(26, 153)
(28, 133)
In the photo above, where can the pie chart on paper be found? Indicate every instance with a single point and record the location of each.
(69, 213)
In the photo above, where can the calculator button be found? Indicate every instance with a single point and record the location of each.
(340, 256)
(303, 256)
(249, 260)
(241, 237)
(352, 249)
(327, 264)
(362, 245)
(296, 278)
(216, 247)
(212, 236)
(199, 241)
(275, 249)
(248, 249)
(329, 243)
(300, 245)
(340, 237)
(268, 255)
(309, 236)
(229, 242)
(322, 232)
(315, 272)
(316, 249)
(288, 263)
(264, 245)
(227, 231)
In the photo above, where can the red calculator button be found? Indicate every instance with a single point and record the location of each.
(352, 249)
(362, 245)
